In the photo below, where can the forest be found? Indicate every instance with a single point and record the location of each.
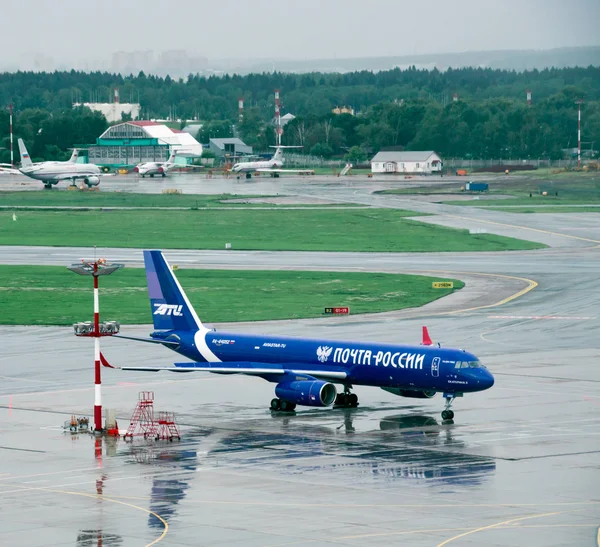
(468, 112)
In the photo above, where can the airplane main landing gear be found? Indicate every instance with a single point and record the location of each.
(279, 405)
(248, 175)
(448, 414)
(346, 399)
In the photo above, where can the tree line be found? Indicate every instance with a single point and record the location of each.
(410, 109)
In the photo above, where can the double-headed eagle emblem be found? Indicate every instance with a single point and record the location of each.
(323, 353)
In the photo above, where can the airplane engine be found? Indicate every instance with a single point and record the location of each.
(307, 392)
(92, 181)
(409, 393)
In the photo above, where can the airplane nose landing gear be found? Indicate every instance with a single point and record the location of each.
(447, 413)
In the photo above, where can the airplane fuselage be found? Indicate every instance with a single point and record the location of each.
(55, 172)
(154, 168)
(151, 169)
(405, 367)
(249, 166)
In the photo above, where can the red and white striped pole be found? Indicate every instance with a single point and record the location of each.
(12, 156)
(97, 382)
(96, 269)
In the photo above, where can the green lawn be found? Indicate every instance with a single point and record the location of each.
(246, 229)
(50, 295)
(533, 201)
(578, 189)
(66, 198)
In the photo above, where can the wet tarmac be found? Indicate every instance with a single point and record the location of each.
(520, 465)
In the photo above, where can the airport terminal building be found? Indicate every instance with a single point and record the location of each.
(129, 143)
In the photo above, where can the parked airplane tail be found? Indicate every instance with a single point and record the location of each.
(25, 159)
(74, 156)
(171, 309)
(278, 156)
(172, 157)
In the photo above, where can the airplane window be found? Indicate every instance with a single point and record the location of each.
(465, 364)
(457, 364)
(476, 364)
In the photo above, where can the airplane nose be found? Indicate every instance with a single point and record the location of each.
(488, 380)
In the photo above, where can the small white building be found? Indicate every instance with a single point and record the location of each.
(410, 163)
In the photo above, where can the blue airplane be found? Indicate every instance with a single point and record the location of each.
(305, 370)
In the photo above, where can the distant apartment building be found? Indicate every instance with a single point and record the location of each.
(343, 110)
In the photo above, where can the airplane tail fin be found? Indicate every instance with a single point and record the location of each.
(74, 156)
(172, 157)
(25, 159)
(278, 156)
(427, 341)
(171, 309)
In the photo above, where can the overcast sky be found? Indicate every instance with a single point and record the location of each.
(297, 29)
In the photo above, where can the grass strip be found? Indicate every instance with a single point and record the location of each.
(52, 295)
(382, 230)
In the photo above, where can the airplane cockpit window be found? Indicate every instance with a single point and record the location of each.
(469, 364)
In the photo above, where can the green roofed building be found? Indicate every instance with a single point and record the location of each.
(130, 143)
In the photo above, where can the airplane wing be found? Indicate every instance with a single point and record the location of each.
(6, 170)
(251, 369)
(70, 176)
(297, 171)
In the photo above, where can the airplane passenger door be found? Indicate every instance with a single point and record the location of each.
(435, 367)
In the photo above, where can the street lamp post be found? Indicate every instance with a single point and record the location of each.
(96, 329)
(579, 103)
(12, 156)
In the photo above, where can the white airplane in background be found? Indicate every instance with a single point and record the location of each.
(156, 167)
(53, 172)
(272, 166)
(8, 169)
